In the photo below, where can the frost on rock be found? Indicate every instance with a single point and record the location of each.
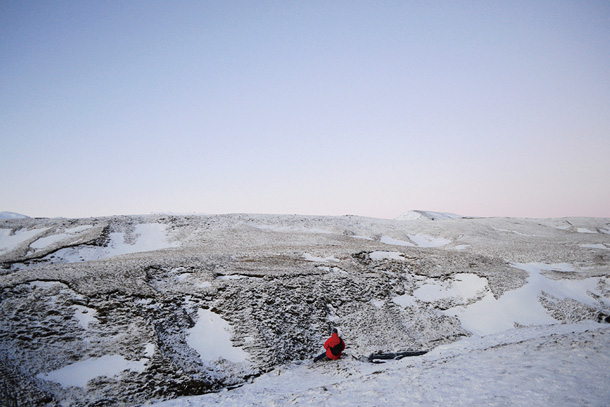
(128, 310)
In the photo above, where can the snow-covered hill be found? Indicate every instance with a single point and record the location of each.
(415, 215)
(128, 310)
(12, 215)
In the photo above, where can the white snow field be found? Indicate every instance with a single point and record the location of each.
(174, 310)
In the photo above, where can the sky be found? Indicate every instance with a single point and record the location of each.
(369, 108)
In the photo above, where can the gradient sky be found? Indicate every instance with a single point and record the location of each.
(480, 108)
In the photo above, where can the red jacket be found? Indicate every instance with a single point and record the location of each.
(332, 342)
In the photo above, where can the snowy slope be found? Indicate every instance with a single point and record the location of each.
(135, 309)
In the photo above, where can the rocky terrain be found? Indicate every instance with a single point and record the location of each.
(131, 309)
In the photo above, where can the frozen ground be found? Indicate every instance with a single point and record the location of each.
(134, 310)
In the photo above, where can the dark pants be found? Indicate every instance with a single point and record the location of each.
(321, 356)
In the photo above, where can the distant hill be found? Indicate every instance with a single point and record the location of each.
(414, 215)
(12, 215)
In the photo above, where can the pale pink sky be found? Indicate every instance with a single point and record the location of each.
(366, 108)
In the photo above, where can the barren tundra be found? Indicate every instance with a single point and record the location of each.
(135, 309)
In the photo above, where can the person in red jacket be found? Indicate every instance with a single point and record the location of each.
(334, 346)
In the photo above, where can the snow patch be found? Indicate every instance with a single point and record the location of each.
(405, 300)
(149, 350)
(377, 303)
(522, 306)
(49, 240)
(9, 242)
(429, 241)
(395, 242)
(595, 246)
(85, 315)
(149, 237)
(463, 286)
(361, 237)
(211, 338)
(332, 314)
(309, 257)
(381, 255)
(585, 230)
(182, 276)
(80, 373)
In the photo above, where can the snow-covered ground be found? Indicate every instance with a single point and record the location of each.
(135, 310)
(559, 365)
